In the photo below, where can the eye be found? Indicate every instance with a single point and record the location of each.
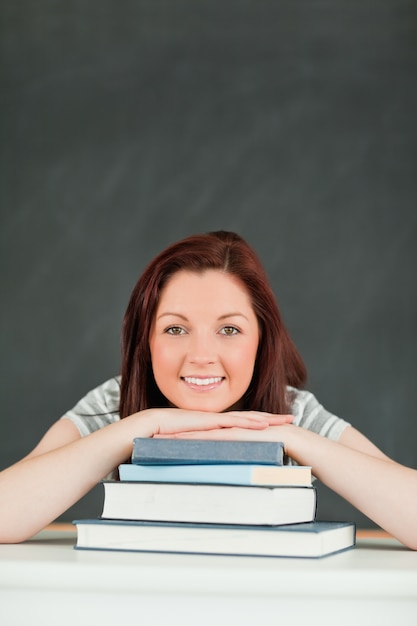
(175, 330)
(229, 331)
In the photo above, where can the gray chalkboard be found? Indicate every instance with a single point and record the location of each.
(128, 125)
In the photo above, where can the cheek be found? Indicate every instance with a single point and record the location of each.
(162, 356)
(157, 355)
(244, 359)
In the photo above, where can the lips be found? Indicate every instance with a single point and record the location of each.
(203, 382)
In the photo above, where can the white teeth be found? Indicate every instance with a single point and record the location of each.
(202, 381)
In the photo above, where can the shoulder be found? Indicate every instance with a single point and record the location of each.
(98, 408)
(310, 414)
(104, 397)
(302, 403)
(109, 391)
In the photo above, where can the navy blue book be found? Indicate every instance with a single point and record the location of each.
(310, 540)
(149, 451)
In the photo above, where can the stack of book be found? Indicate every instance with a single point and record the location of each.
(213, 497)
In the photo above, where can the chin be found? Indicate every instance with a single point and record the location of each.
(217, 407)
(207, 407)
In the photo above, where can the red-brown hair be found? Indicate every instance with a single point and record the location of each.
(278, 362)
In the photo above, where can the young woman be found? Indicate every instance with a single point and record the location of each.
(204, 355)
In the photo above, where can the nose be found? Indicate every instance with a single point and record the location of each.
(202, 349)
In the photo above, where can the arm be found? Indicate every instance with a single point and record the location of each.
(353, 467)
(385, 491)
(64, 467)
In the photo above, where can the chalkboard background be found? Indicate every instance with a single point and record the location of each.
(128, 125)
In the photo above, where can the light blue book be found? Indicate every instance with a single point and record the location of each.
(227, 474)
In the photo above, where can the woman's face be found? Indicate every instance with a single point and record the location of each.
(204, 341)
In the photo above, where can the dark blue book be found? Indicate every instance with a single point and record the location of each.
(191, 451)
(310, 540)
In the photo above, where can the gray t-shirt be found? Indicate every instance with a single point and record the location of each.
(100, 407)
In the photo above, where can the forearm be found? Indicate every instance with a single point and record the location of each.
(35, 491)
(383, 490)
(56, 474)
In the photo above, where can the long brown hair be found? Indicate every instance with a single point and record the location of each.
(278, 362)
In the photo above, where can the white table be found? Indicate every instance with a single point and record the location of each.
(45, 581)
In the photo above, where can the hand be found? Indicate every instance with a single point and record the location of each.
(272, 433)
(170, 422)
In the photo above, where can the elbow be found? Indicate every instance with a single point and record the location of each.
(11, 537)
(407, 538)
(411, 545)
(9, 534)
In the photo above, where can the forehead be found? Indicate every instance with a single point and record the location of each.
(213, 286)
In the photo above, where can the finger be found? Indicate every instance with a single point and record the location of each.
(276, 420)
(235, 434)
(215, 433)
(203, 422)
(226, 422)
(271, 418)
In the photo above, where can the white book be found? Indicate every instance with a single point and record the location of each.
(212, 504)
(314, 539)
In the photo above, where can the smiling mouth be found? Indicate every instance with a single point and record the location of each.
(202, 382)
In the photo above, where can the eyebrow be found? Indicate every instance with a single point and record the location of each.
(185, 318)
